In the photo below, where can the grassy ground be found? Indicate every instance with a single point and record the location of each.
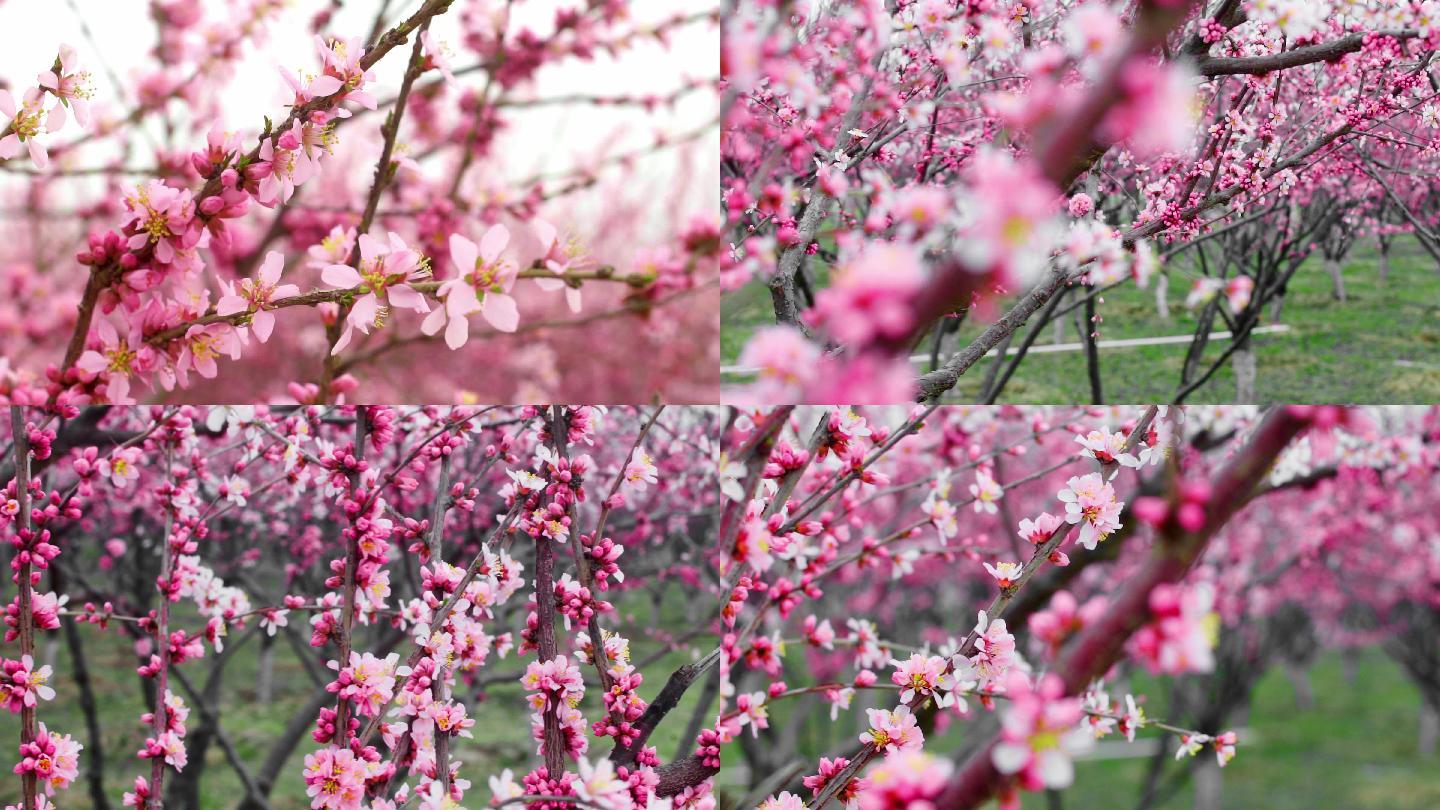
(1354, 749)
(1334, 352)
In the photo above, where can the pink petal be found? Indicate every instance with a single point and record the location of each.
(433, 322)
(370, 247)
(38, 154)
(7, 103)
(231, 304)
(343, 341)
(363, 314)
(493, 242)
(462, 252)
(9, 146)
(270, 270)
(325, 86)
(56, 119)
(457, 332)
(545, 232)
(407, 298)
(461, 301)
(263, 323)
(341, 276)
(501, 312)
(290, 78)
(92, 362)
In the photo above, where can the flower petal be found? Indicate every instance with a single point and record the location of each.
(341, 276)
(493, 242)
(463, 253)
(545, 232)
(457, 332)
(325, 86)
(270, 270)
(263, 323)
(501, 312)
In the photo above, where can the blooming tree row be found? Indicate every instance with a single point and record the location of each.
(896, 168)
(411, 541)
(955, 598)
(348, 245)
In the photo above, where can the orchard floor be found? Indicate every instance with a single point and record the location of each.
(1334, 352)
(1355, 749)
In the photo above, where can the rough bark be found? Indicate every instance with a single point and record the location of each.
(1244, 364)
(1337, 279)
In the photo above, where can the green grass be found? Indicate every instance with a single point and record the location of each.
(1334, 352)
(1356, 748)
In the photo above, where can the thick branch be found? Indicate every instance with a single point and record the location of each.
(1309, 54)
(28, 724)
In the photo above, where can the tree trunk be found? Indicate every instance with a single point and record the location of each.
(1350, 664)
(1244, 364)
(1384, 260)
(265, 678)
(1208, 782)
(1058, 336)
(1300, 683)
(1429, 729)
(1162, 296)
(1337, 279)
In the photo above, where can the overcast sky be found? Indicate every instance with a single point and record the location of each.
(548, 140)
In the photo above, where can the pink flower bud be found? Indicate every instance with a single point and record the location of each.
(1191, 517)
(1152, 510)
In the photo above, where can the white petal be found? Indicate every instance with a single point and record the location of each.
(1009, 757)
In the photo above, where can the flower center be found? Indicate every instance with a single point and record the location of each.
(373, 272)
(256, 292)
(1016, 230)
(120, 358)
(76, 85)
(157, 226)
(27, 122)
(486, 277)
(1045, 740)
(204, 348)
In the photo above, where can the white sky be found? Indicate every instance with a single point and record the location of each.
(544, 140)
